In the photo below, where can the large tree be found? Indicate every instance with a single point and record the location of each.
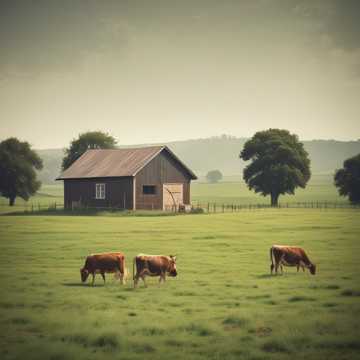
(347, 179)
(17, 170)
(213, 176)
(279, 164)
(85, 141)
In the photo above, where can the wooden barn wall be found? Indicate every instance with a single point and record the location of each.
(117, 189)
(162, 169)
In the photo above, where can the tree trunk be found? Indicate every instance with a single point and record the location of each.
(274, 199)
(12, 201)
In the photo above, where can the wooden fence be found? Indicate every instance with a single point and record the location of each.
(322, 205)
(208, 207)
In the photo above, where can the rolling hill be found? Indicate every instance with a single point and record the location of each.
(222, 153)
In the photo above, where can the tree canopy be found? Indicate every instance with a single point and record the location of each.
(85, 141)
(213, 176)
(279, 164)
(347, 179)
(17, 170)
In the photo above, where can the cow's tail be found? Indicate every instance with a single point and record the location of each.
(271, 256)
(124, 269)
(134, 268)
(122, 265)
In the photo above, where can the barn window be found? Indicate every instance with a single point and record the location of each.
(100, 191)
(149, 189)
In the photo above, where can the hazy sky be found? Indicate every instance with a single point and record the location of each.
(152, 71)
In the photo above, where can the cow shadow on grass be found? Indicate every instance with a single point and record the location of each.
(74, 284)
(263, 276)
(274, 276)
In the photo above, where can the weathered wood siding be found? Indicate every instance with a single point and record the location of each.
(118, 192)
(162, 169)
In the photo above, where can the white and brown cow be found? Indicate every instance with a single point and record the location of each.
(281, 255)
(113, 262)
(153, 265)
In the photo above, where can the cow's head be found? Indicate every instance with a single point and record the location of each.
(312, 269)
(172, 266)
(84, 274)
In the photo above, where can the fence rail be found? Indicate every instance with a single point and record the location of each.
(204, 207)
(210, 207)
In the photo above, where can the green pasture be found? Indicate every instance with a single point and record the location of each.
(223, 304)
(231, 191)
(234, 191)
(47, 196)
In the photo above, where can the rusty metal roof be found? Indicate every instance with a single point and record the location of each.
(96, 163)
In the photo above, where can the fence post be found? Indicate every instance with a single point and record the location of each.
(208, 207)
(223, 208)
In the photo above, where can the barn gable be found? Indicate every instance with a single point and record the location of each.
(162, 170)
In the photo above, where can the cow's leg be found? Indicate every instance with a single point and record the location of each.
(162, 278)
(142, 274)
(122, 278)
(281, 262)
(302, 265)
(143, 279)
(272, 268)
(276, 268)
(103, 276)
(136, 280)
(297, 267)
(93, 279)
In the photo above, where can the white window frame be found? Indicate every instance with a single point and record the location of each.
(100, 191)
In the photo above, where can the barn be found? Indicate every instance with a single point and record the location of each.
(146, 178)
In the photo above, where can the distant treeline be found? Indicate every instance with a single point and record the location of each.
(222, 153)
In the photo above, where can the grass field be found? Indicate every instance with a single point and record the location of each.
(47, 195)
(234, 191)
(223, 304)
(230, 191)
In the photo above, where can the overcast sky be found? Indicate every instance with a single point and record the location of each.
(155, 71)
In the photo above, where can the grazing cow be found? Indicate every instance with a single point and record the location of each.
(289, 256)
(104, 263)
(153, 265)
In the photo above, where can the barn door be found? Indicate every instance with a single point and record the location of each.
(172, 196)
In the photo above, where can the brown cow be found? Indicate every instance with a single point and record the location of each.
(153, 265)
(104, 263)
(289, 256)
